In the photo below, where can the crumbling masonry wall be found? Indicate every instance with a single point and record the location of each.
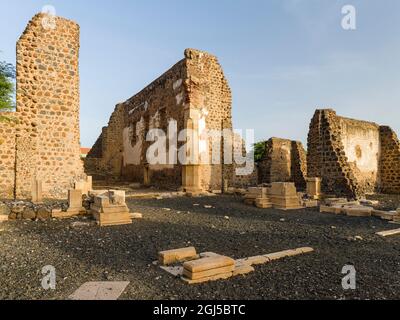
(349, 155)
(46, 138)
(389, 161)
(283, 161)
(194, 93)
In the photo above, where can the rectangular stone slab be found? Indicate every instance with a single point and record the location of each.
(389, 233)
(176, 255)
(208, 264)
(222, 276)
(207, 273)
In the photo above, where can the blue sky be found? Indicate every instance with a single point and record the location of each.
(282, 58)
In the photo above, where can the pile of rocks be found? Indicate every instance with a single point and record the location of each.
(362, 208)
(24, 210)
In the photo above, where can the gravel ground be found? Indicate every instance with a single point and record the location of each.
(82, 252)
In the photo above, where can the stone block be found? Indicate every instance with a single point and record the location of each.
(37, 191)
(210, 263)
(242, 270)
(389, 233)
(59, 214)
(136, 215)
(251, 261)
(108, 290)
(222, 276)
(75, 198)
(359, 211)
(334, 209)
(176, 255)
(207, 273)
(263, 203)
(314, 188)
(3, 218)
(117, 197)
(112, 219)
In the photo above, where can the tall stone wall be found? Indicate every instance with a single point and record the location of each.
(389, 161)
(7, 156)
(284, 161)
(195, 94)
(47, 138)
(349, 155)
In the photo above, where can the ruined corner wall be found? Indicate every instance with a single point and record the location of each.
(344, 153)
(284, 161)
(46, 138)
(193, 91)
(389, 161)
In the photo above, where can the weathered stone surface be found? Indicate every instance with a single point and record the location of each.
(43, 214)
(389, 233)
(283, 161)
(209, 263)
(176, 255)
(359, 211)
(343, 152)
(284, 196)
(43, 143)
(196, 94)
(29, 214)
(4, 209)
(110, 290)
(334, 209)
(207, 273)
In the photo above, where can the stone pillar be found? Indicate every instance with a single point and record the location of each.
(314, 188)
(191, 168)
(37, 196)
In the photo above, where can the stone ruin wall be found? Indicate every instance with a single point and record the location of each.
(194, 86)
(351, 156)
(284, 161)
(7, 157)
(47, 139)
(389, 161)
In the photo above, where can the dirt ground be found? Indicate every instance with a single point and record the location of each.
(80, 251)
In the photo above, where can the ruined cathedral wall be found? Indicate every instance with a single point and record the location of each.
(344, 153)
(120, 152)
(209, 93)
(326, 157)
(389, 162)
(48, 138)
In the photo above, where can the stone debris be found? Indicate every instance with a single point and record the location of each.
(284, 196)
(177, 255)
(109, 290)
(314, 188)
(110, 209)
(359, 211)
(37, 194)
(254, 193)
(389, 233)
(136, 215)
(204, 269)
(75, 203)
(3, 218)
(210, 266)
